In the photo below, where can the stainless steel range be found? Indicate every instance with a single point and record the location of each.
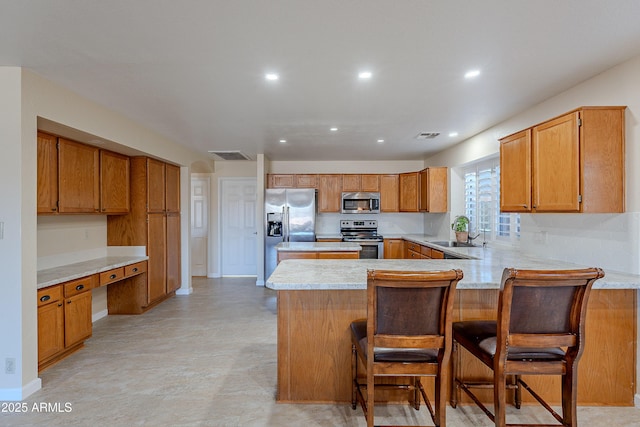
(364, 233)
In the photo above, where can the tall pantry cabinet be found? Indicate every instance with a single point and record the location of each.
(154, 222)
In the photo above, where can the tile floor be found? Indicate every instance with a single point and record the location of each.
(209, 359)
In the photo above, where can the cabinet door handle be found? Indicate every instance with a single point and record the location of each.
(60, 305)
(113, 276)
(135, 270)
(79, 287)
(69, 302)
(45, 298)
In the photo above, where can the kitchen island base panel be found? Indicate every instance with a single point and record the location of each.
(314, 360)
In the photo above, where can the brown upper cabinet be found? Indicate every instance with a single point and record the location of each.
(329, 193)
(389, 193)
(424, 191)
(409, 191)
(114, 183)
(47, 173)
(571, 163)
(172, 188)
(361, 182)
(281, 181)
(306, 181)
(433, 189)
(79, 178)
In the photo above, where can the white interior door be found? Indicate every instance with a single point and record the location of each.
(199, 225)
(238, 227)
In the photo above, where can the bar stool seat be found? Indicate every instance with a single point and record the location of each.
(406, 335)
(539, 331)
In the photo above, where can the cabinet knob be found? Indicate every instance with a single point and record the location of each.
(60, 305)
(135, 270)
(113, 276)
(79, 287)
(45, 298)
(54, 209)
(69, 302)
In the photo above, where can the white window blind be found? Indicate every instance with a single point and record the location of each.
(482, 203)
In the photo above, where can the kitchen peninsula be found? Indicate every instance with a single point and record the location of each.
(317, 300)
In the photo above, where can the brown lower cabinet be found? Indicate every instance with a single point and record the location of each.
(65, 310)
(64, 319)
(318, 255)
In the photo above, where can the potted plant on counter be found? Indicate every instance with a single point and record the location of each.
(461, 227)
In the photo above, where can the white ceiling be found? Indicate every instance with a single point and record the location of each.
(193, 70)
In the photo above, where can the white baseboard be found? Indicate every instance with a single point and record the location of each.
(18, 394)
(259, 282)
(99, 315)
(214, 275)
(184, 291)
(636, 400)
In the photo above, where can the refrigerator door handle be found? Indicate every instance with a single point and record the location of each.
(288, 226)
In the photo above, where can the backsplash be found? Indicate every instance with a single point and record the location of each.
(609, 241)
(389, 224)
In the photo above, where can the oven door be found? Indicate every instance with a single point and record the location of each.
(371, 249)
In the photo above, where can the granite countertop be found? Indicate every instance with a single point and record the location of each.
(54, 276)
(318, 247)
(482, 269)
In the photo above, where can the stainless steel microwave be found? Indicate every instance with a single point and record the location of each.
(360, 203)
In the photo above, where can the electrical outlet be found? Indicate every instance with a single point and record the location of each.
(10, 365)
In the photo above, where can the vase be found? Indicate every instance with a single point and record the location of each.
(462, 236)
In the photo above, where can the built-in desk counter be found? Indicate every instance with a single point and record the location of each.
(318, 299)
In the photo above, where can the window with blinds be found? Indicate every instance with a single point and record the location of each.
(482, 203)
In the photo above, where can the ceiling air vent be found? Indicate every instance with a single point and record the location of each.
(427, 135)
(230, 155)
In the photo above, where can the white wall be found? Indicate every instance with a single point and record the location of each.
(14, 181)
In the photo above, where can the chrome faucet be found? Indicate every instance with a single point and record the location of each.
(484, 238)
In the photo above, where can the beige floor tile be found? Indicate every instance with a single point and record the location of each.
(209, 359)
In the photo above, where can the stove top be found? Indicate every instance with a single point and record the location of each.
(359, 230)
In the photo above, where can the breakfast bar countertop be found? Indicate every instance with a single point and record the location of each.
(484, 271)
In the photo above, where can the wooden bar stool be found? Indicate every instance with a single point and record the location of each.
(407, 333)
(539, 331)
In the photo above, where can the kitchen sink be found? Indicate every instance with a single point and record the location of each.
(454, 244)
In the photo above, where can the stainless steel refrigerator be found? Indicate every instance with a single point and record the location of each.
(290, 217)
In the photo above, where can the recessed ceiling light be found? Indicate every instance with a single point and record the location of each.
(333, 129)
(271, 76)
(380, 141)
(471, 74)
(365, 75)
(453, 134)
(283, 141)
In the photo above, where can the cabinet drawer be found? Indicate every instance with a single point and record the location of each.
(133, 269)
(436, 254)
(78, 286)
(49, 295)
(413, 255)
(425, 250)
(111, 276)
(413, 246)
